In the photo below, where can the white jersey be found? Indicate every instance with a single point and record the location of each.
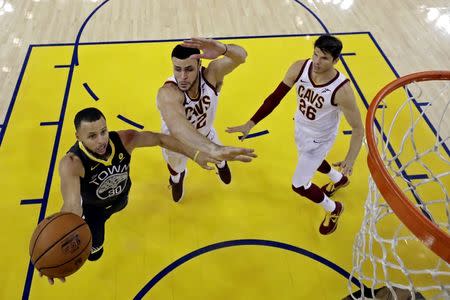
(201, 111)
(317, 114)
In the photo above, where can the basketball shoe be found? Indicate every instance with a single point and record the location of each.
(177, 188)
(330, 188)
(330, 222)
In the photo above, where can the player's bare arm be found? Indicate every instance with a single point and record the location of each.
(272, 101)
(169, 101)
(70, 171)
(345, 99)
(132, 139)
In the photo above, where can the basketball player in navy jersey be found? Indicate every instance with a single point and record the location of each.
(94, 173)
(322, 93)
(188, 102)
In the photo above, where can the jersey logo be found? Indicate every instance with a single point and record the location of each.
(93, 168)
(197, 114)
(325, 91)
(121, 157)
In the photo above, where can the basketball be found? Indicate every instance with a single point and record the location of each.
(60, 244)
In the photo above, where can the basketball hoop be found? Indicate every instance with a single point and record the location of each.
(408, 206)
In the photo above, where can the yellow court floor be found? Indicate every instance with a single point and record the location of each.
(263, 239)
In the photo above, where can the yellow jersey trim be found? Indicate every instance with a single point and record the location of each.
(91, 157)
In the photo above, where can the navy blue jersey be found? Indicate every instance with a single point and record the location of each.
(104, 181)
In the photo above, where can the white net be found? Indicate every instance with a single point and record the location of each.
(386, 254)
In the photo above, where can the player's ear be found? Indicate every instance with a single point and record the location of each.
(77, 137)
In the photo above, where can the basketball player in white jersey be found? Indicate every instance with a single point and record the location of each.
(322, 93)
(188, 101)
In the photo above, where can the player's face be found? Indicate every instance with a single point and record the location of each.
(322, 61)
(185, 72)
(94, 136)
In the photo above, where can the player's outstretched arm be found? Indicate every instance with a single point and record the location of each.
(135, 139)
(271, 102)
(345, 99)
(70, 170)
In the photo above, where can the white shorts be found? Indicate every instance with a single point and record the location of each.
(177, 161)
(311, 153)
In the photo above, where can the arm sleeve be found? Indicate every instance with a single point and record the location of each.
(271, 102)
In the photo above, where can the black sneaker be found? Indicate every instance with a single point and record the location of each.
(177, 188)
(225, 173)
(96, 253)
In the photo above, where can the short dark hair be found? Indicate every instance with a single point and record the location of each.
(329, 44)
(182, 52)
(90, 114)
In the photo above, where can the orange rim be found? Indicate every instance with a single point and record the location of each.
(425, 230)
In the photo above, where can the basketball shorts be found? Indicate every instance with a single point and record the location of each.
(311, 152)
(96, 218)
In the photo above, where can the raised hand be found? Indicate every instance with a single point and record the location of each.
(244, 129)
(210, 48)
(51, 280)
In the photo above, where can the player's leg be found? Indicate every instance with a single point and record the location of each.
(176, 163)
(337, 179)
(116, 207)
(222, 168)
(311, 156)
(95, 217)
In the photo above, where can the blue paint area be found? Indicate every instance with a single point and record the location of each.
(31, 201)
(89, 90)
(416, 176)
(49, 123)
(252, 135)
(14, 96)
(347, 132)
(61, 66)
(243, 242)
(132, 123)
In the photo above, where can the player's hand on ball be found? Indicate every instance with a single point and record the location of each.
(244, 129)
(51, 280)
